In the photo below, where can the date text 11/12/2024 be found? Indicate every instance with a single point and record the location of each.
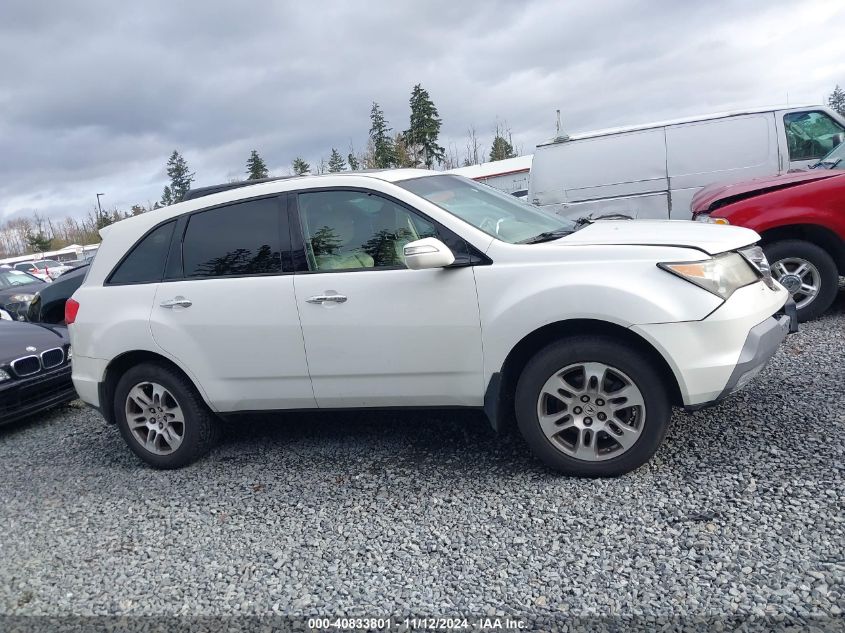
(418, 623)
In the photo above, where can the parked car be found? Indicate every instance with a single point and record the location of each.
(410, 288)
(17, 290)
(35, 369)
(48, 304)
(801, 219)
(654, 170)
(31, 269)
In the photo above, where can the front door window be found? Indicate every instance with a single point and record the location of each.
(811, 135)
(351, 230)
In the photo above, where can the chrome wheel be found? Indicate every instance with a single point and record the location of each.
(591, 411)
(155, 418)
(799, 277)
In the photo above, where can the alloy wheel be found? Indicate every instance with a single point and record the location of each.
(591, 411)
(155, 418)
(799, 277)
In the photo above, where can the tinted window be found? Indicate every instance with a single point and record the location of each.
(145, 263)
(811, 135)
(352, 229)
(239, 239)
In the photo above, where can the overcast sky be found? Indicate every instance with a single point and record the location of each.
(95, 95)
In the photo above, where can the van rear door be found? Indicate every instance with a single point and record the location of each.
(726, 150)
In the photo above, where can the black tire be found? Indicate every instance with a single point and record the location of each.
(818, 257)
(201, 427)
(617, 355)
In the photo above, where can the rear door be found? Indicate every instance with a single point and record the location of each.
(378, 334)
(226, 307)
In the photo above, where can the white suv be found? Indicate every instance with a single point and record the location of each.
(410, 288)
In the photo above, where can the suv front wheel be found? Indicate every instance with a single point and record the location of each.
(162, 417)
(808, 272)
(592, 406)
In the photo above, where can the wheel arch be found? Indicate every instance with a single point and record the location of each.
(499, 395)
(119, 365)
(813, 233)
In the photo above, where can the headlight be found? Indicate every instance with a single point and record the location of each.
(757, 258)
(22, 298)
(4, 375)
(720, 275)
(705, 217)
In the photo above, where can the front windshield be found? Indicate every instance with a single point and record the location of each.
(835, 159)
(502, 216)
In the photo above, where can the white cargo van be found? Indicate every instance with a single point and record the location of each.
(653, 171)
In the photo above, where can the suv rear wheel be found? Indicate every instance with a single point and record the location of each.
(162, 417)
(808, 272)
(592, 406)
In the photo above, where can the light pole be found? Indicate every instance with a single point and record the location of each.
(100, 217)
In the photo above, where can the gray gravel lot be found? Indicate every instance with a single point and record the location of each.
(739, 513)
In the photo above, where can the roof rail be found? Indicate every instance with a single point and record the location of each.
(226, 186)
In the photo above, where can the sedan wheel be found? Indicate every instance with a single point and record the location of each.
(591, 411)
(155, 418)
(800, 278)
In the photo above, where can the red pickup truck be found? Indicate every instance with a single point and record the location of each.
(801, 218)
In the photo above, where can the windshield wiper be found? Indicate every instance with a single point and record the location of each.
(589, 219)
(546, 236)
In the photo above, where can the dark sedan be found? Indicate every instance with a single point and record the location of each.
(34, 369)
(17, 289)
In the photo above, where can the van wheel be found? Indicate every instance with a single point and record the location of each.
(591, 406)
(162, 417)
(808, 272)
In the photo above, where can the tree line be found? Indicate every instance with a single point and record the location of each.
(416, 146)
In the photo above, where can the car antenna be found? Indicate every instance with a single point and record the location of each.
(558, 135)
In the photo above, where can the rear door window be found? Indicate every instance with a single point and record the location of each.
(235, 240)
(145, 262)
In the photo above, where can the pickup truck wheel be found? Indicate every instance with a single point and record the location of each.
(808, 272)
(162, 417)
(591, 406)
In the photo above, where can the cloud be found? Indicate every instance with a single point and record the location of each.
(95, 95)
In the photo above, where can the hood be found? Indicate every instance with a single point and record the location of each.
(25, 289)
(16, 336)
(722, 193)
(710, 238)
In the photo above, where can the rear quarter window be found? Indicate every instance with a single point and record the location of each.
(145, 262)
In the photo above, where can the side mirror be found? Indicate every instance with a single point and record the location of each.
(428, 252)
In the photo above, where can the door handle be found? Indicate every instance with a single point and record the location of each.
(321, 299)
(179, 301)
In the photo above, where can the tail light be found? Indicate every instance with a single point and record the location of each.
(71, 310)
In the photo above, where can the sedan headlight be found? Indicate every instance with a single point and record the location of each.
(720, 275)
(23, 298)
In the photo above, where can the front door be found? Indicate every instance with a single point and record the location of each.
(228, 311)
(810, 135)
(376, 333)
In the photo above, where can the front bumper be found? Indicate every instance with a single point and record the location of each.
(711, 358)
(25, 396)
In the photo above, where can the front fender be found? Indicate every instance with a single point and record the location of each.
(517, 299)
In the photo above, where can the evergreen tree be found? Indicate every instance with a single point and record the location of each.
(38, 242)
(300, 167)
(180, 179)
(501, 148)
(421, 137)
(336, 162)
(166, 197)
(836, 100)
(256, 168)
(354, 164)
(383, 149)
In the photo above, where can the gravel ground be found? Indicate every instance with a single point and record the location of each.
(740, 514)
